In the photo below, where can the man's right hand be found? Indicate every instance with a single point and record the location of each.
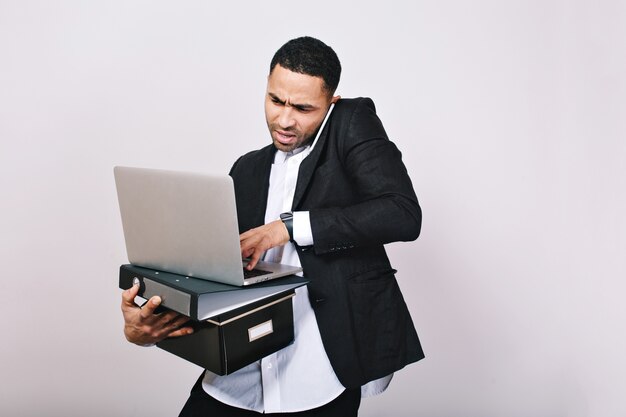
(256, 241)
(143, 327)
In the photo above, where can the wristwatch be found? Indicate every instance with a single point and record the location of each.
(287, 219)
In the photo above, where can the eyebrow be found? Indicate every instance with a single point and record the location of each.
(275, 98)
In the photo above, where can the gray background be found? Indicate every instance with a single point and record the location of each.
(510, 115)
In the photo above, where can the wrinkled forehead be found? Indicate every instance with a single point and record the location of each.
(294, 87)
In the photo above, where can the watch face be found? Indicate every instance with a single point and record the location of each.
(286, 216)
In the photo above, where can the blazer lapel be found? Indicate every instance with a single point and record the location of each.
(252, 189)
(262, 177)
(307, 167)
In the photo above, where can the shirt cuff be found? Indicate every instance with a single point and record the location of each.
(302, 233)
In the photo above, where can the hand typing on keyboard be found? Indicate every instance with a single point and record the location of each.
(256, 241)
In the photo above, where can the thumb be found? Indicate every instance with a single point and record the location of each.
(128, 296)
(148, 308)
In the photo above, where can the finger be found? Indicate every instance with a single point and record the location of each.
(171, 321)
(247, 234)
(245, 253)
(168, 316)
(176, 326)
(248, 241)
(165, 328)
(148, 308)
(179, 321)
(128, 297)
(248, 246)
(254, 259)
(159, 320)
(244, 246)
(181, 332)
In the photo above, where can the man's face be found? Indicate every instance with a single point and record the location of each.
(295, 105)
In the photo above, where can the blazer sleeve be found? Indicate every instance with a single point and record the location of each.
(385, 208)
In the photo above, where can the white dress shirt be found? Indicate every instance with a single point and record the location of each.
(300, 376)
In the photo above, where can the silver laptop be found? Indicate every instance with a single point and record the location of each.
(186, 223)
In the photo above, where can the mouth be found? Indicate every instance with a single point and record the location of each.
(284, 137)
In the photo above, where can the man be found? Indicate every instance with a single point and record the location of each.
(328, 198)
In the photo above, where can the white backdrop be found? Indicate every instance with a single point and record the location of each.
(511, 118)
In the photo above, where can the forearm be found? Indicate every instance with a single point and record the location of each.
(376, 222)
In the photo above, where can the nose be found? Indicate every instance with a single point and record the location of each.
(285, 117)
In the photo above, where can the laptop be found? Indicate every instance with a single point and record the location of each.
(186, 223)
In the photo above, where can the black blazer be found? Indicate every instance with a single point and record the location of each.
(360, 197)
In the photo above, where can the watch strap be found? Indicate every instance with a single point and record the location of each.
(287, 219)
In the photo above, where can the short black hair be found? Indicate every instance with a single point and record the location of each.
(310, 56)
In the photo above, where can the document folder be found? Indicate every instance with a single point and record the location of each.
(200, 299)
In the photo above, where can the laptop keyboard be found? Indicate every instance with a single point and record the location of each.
(254, 273)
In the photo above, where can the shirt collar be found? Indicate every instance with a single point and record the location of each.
(300, 153)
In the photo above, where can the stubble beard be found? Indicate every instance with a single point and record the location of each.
(298, 143)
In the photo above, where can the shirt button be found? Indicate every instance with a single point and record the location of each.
(269, 365)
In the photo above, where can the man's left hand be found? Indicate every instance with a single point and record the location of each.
(256, 241)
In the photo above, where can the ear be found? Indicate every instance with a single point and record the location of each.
(335, 99)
